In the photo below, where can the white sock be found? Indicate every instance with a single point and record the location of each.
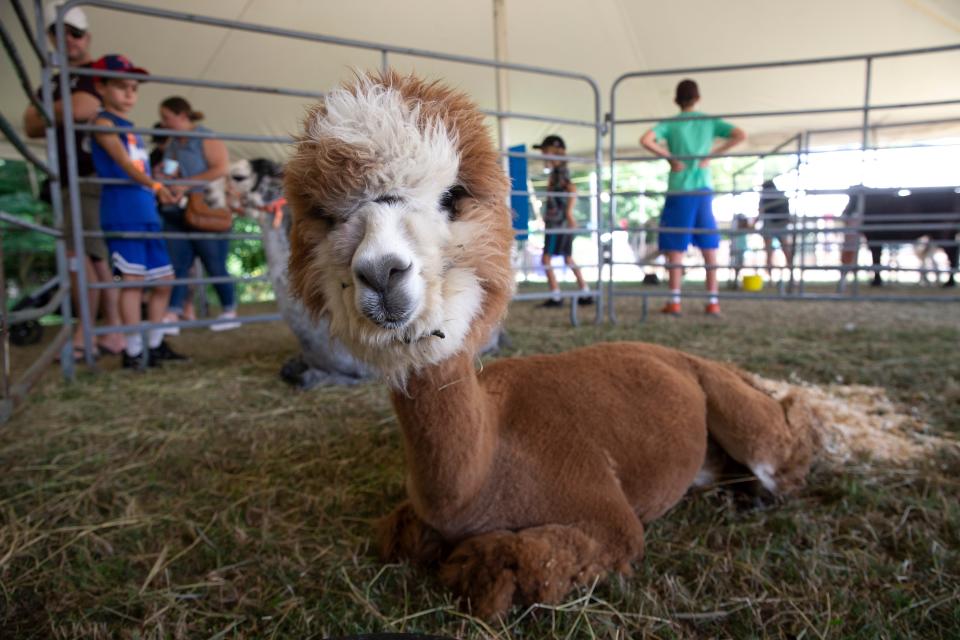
(585, 287)
(154, 337)
(676, 295)
(713, 298)
(556, 294)
(134, 345)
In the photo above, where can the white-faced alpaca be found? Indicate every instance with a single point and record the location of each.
(531, 475)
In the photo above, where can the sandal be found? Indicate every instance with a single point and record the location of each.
(102, 348)
(79, 353)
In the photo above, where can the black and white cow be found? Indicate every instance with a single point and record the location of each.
(907, 218)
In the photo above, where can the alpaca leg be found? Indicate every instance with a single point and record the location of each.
(775, 440)
(541, 564)
(403, 535)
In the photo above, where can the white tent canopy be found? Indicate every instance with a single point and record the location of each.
(602, 39)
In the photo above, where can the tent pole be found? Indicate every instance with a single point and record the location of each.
(500, 54)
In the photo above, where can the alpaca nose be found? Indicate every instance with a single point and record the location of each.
(383, 273)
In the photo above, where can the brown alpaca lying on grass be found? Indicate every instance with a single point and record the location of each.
(531, 475)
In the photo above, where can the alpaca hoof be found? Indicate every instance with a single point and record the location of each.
(495, 570)
(292, 371)
(402, 535)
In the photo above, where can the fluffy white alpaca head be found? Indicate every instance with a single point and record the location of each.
(401, 233)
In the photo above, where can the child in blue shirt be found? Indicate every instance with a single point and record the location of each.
(131, 207)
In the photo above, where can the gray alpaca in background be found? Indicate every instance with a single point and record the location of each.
(256, 189)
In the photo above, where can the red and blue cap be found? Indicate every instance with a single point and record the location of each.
(117, 62)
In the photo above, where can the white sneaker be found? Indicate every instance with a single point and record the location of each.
(226, 326)
(169, 319)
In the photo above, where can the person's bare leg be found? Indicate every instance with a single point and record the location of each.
(576, 273)
(130, 313)
(710, 259)
(130, 299)
(159, 301)
(675, 272)
(768, 245)
(548, 270)
(713, 289)
(93, 296)
(110, 308)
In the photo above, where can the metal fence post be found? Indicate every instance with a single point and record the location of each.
(74, 187)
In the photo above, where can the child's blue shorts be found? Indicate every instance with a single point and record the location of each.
(145, 257)
(688, 211)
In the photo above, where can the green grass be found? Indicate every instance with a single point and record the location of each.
(210, 500)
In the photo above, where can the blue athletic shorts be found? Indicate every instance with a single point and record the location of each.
(688, 211)
(145, 257)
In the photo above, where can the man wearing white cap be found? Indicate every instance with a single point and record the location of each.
(86, 104)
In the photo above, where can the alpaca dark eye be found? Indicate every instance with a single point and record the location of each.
(449, 199)
(320, 214)
(388, 199)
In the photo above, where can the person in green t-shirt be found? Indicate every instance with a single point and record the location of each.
(682, 141)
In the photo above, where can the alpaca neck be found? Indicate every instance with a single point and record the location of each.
(448, 434)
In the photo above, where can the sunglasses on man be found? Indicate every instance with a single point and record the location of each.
(70, 30)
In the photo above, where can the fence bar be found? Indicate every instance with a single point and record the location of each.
(178, 235)
(191, 82)
(28, 31)
(546, 156)
(18, 392)
(184, 324)
(852, 190)
(26, 224)
(243, 137)
(530, 116)
(22, 73)
(791, 63)
(598, 171)
(764, 232)
(314, 37)
(176, 181)
(886, 125)
(798, 112)
(4, 338)
(810, 297)
(33, 314)
(738, 172)
(162, 282)
(69, 128)
(67, 365)
(14, 138)
(747, 154)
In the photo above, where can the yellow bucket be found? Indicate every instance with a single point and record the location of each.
(752, 283)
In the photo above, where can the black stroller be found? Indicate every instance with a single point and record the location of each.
(30, 332)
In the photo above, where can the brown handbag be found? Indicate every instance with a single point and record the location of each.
(202, 217)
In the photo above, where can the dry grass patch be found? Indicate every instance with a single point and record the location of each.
(210, 500)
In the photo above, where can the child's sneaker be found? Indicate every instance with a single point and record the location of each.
(136, 362)
(712, 309)
(164, 352)
(671, 308)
